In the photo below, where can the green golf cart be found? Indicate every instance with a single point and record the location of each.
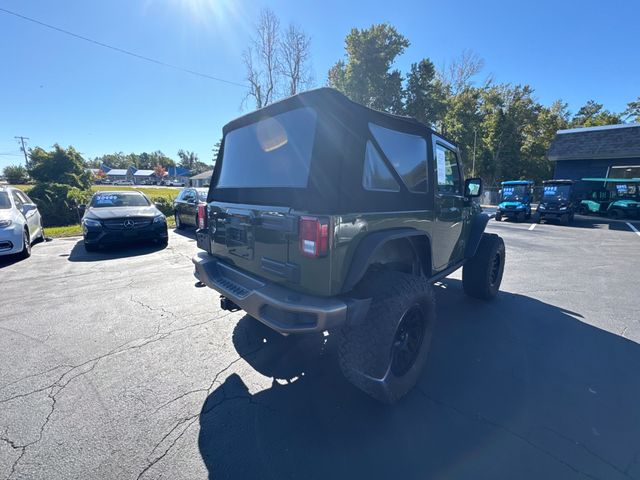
(613, 197)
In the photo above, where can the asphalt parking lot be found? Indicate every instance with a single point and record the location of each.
(114, 365)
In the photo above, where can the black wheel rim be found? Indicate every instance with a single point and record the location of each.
(407, 341)
(495, 268)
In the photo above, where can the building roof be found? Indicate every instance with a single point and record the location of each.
(118, 171)
(143, 173)
(608, 141)
(203, 176)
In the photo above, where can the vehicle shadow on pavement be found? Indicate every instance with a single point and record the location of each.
(514, 388)
(8, 260)
(186, 232)
(79, 254)
(592, 222)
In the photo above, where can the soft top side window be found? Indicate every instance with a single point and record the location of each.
(448, 170)
(407, 153)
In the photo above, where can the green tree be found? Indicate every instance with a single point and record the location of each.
(188, 159)
(425, 94)
(633, 111)
(593, 114)
(15, 174)
(61, 166)
(366, 76)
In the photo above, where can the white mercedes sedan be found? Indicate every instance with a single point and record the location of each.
(20, 222)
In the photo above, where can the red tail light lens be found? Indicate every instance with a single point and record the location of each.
(314, 236)
(202, 216)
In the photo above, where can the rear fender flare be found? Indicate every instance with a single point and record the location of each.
(367, 248)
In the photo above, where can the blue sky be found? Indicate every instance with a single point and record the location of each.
(54, 88)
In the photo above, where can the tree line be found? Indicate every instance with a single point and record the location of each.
(504, 124)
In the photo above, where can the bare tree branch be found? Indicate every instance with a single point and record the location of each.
(261, 59)
(294, 63)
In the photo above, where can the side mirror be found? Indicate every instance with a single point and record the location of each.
(81, 208)
(473, 187)
(28, 207)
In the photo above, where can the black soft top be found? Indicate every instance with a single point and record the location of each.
(335, 178)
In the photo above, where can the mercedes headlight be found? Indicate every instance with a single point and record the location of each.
(159, 219)
(90, 222)
(5, 223)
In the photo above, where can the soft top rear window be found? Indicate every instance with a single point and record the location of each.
(273, 152)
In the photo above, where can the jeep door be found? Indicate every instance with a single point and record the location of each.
(449, 205)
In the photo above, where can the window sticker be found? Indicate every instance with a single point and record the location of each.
(622, 189)
(550, 190)
(508, 191)
(441, 160)
(105, 199)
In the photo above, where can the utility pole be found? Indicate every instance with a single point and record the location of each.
(24, 149)
(473, 174)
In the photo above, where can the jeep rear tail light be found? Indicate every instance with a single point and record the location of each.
(202, 216)
(314, 236)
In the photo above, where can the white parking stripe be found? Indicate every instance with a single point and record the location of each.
(633, 228)
(533, 225)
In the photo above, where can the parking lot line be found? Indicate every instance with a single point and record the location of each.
(630, 225)
(533, 225)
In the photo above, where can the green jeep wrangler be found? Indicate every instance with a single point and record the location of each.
(325, 215)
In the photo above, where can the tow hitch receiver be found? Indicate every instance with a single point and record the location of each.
(226, 304)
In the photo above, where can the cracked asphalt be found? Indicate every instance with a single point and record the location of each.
(114, 365)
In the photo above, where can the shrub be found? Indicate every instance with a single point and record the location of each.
(15, 174)
(164, 205)
(57, 203)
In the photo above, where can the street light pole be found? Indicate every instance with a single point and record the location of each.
(473, 174)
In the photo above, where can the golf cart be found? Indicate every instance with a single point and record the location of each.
(557, 202)
(515, 200)
(613, 197)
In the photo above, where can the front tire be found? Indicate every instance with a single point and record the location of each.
(179, 224)
(482, 274)
(26, 245)
(615, 214)
(498, 216)
(383, 355)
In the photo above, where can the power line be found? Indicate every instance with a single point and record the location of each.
(121, 50)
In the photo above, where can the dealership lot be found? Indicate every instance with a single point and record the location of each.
(115, 365)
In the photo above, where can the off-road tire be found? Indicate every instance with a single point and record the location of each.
(179, 224)
(26, 245)
(375, 355)
(583, 210)
(536, 218)
(482, 274)
(520, 217)
(498, 216)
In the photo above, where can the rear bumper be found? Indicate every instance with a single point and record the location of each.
(278, 307)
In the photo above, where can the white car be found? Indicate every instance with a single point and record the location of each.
(20, 222)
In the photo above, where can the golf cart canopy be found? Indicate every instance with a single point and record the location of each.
(517, 182)
(320, 152)
(613, 180)
(558, 182)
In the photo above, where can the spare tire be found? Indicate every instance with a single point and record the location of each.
(482, 274)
